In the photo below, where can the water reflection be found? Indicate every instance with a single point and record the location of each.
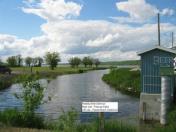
(70, 91)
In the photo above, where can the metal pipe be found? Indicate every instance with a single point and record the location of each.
(165, 98)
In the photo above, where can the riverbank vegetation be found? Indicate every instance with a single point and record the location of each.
(128, 62)
(7, 80)
(125, 80)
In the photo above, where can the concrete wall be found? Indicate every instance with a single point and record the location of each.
(150, 105)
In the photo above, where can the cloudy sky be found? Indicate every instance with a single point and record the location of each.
(104, 29)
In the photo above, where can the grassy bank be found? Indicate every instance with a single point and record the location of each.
(67, 122)
(7, 80)
(124, 80)
(43, 72)
(129, 62)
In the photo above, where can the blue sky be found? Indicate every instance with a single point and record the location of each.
(20, 20)
(14, 21)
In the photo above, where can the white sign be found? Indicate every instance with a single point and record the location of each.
(99, 106)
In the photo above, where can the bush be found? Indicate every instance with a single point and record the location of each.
(13, 117)
(67, 121)
(32, 93)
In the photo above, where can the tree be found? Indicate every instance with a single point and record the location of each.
(85, 61)
(39, 61)
(71, 62)
(96, 62)
(12, 61)
(75, 61)
(19, 60)
(52, 59)
(34, 61)
(32, 93)
(28, 61)
(0, 62)
(90, 61)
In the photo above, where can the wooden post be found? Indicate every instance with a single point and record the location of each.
(174, 91)
(144, 111)
(31, 69)
(101, 121)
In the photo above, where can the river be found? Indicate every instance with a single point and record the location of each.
(69, 91)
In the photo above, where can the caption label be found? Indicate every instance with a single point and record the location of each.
(99, 106)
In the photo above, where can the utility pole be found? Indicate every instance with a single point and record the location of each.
(159, 42)
(172, 39)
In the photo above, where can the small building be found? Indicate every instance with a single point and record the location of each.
(155, 62)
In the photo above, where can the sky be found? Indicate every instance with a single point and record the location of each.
(111, 30)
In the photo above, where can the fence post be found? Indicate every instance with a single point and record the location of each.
(101, 121)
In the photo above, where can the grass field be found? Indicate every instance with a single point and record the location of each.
(124, 80)
(129, 62)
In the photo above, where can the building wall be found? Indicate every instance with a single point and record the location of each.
(150, 105)
(150, 69)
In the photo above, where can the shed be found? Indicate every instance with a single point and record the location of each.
(154, 62)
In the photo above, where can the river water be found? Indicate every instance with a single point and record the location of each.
(69, 91)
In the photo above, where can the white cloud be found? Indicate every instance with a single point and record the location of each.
(138, 10)
(103, 40)
(53, 10)
(167, 12)
(97, 38)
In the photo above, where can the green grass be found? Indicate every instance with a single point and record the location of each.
(66, 123)
(7, 80)
(129, 62)
(12, 117)
(171, 126)
(124, 80)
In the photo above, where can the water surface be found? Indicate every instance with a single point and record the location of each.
(70, 91)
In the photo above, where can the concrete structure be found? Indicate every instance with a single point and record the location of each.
(155, 62)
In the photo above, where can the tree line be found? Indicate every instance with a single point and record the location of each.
(86, 61)
(50, 58)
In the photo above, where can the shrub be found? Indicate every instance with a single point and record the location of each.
(67, 121)
(13, 117)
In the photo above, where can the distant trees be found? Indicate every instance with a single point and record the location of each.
(12, 61)
(74, 62)
(52, 59)
(39, 61)
(19, 60)
(36, 62)
(28, 61)
(15, 61)
(0, 62)
(86, 61)
(96, 62)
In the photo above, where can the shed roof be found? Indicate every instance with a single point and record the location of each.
(157, 47)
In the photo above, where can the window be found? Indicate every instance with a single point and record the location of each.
(156, 60)
(166, 61)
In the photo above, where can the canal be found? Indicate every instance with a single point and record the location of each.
(69, 91)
